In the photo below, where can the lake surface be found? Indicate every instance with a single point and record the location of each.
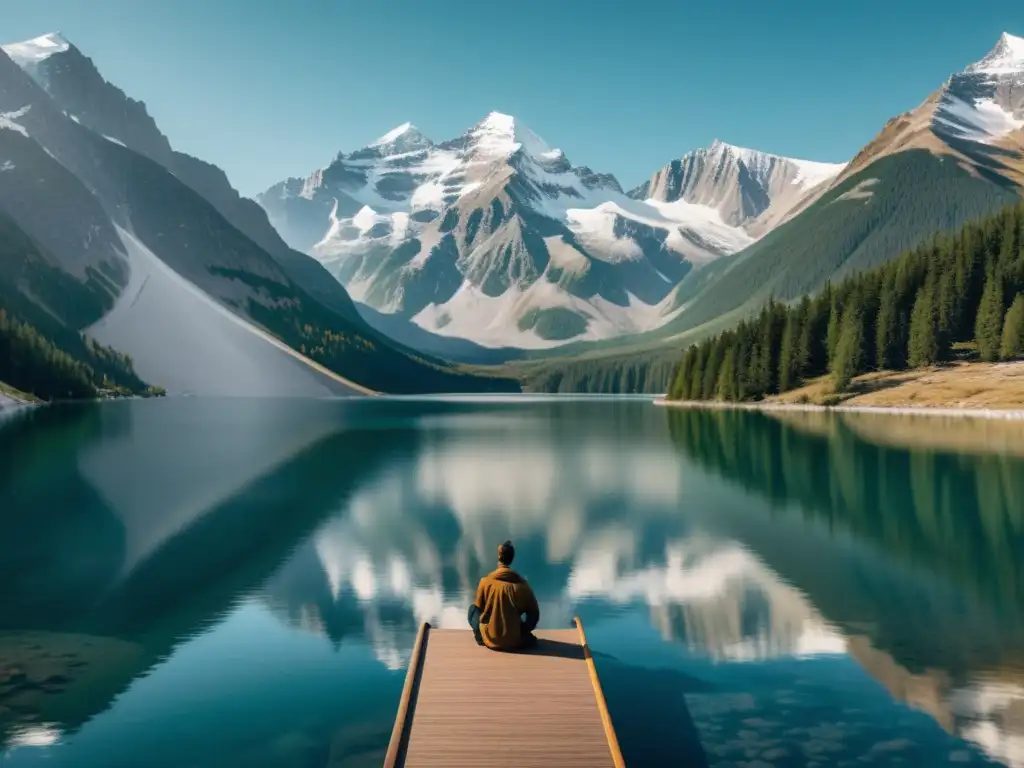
(192, 582)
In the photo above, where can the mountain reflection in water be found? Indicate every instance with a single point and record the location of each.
(790, 590)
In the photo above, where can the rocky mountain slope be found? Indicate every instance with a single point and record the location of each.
(496, 237)
(74, 82)
(750, 189)
(957, 156)
(112, 216)
(976, 117)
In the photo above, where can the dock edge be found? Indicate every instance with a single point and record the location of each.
(391, 759)
(602, 704)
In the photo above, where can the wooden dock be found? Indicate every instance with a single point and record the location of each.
(464, 705)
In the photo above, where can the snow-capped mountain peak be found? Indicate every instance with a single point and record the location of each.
(757, 162)
(500, 135)
(719, 147)
(1007, 57)
(393, 135)
(405, 138)
(496, 237)
(985, 102)
(810, 173)
(37, 49)
(746, 186)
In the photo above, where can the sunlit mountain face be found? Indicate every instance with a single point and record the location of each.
(822, 590)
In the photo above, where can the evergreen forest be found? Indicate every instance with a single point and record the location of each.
(953, 295)
(33, 363)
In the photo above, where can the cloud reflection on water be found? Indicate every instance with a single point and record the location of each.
(362, 535)
(411, 544)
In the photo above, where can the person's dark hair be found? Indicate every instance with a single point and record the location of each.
(506, 553)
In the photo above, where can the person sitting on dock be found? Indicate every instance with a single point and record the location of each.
(505, 611)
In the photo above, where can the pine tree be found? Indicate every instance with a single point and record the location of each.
(681, 379)
(945, 313)
(743, 362)
(693, 391)
(849, 349)
(813, 351)
(765, 364)
(923, 345)
(714, 362)
(789, 352)
(988, 328)
(1012, 346)
(888, 354)
(950, 290)
(1008, 241)
(802, 354)
(834, 328)
(726, 387)
(970, 260)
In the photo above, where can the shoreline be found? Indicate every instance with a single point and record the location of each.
(1009, 414)
(10, 405)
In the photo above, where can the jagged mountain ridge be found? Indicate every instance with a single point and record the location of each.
(961, 151)
(167, 277)
(976, 117)
(72, 79)
(919, 176)
(495, 236)
(69, 187)
(751, 189)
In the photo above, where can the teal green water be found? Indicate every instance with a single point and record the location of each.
(192, 582)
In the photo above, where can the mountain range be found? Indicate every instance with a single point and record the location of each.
(155, 254)
(957, 156)
(372, 271)
(496, 237)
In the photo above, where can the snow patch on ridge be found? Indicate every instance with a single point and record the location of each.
(982, 122)
(7, 120)
(37, 49)
(493, 321)
(596, 226)
(811, 173)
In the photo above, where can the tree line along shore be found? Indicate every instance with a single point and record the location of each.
(957, 298)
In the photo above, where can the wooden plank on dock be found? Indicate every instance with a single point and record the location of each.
(464, 705)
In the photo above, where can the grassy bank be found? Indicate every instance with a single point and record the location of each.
(20, 398)
(961, 386)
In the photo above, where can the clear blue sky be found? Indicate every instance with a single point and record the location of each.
(268, 89)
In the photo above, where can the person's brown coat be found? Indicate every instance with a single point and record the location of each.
(503, 596)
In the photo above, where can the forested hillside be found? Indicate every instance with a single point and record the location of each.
(866, 220)
(33, 363)
(635, 374)
(911, 312)
(41, 308)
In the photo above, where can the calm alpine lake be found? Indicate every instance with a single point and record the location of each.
(191, 582)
